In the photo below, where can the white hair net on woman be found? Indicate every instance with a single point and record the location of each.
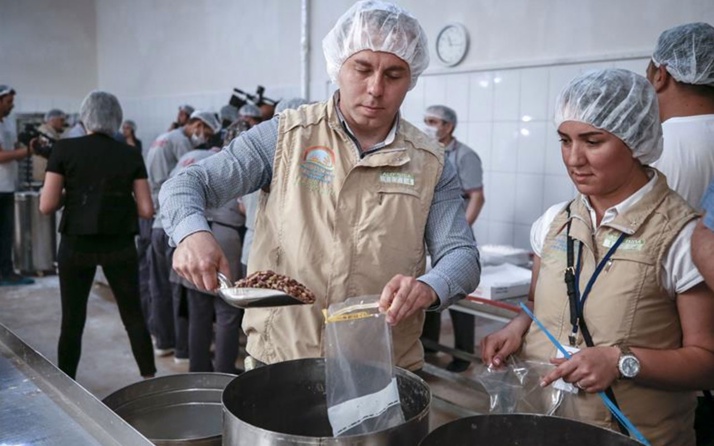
(687, 51)
(618, 101)
(100, 112)
(208, 118)
(376, 26)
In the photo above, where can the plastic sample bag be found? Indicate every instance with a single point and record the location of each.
(515, 388)
(361, 386)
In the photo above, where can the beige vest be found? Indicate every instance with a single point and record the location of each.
(341, 225)
(627, 305)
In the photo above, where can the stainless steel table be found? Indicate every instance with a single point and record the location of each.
(40, 405)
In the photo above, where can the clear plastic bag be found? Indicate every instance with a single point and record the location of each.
(361, 387)
(515, 388)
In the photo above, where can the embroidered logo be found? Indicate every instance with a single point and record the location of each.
(397, 178)
(317, 169)
(629, 244)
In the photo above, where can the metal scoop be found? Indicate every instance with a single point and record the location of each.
(253, 297)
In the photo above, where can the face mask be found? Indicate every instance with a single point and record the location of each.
(430, 131)
(197, 140)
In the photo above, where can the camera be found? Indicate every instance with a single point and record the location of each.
(45, 142)
(240, 97)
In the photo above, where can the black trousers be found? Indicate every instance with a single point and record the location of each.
(7, 228)
(78, 258)
(464, 336)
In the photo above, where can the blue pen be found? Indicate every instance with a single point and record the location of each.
(615, 411)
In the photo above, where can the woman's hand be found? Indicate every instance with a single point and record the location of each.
(592, 369)
(498, 346)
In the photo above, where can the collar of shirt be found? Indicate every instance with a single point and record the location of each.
(362, 153)
(450, 146)
(623, 206)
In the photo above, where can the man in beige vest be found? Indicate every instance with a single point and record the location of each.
(352, 198)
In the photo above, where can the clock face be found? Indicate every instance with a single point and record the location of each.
(452, 44)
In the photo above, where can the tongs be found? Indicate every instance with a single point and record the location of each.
(253, 297)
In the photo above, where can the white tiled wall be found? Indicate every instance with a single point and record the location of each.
(505, 116)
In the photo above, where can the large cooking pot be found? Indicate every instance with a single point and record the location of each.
(523, 430)
(285, 404)
(183, 409)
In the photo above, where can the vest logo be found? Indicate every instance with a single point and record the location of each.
(397, 178)
(629, 244)
(317, 169)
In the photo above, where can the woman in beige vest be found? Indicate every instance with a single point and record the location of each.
(643, 320)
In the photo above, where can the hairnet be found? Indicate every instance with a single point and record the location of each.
(5, 90)
(131, 124)
(207, 118)
(100, 112)
(250, 111)
(186, 108)
(228, 113)
(687, 51)
(54, 113)
(441, 112)
(290, 103)
(377, 26)
(618, 101)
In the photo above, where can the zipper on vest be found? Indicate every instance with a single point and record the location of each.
(381, 197)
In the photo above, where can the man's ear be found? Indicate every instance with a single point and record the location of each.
(661, 79)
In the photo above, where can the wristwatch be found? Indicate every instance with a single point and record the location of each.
(627, 364)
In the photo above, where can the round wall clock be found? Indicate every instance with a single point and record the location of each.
(452, 43)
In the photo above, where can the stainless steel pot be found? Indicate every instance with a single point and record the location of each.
(35, 245)
(174, 410)
(284, 404)
(523, 430)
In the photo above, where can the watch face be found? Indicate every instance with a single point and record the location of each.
(452, 44)
(630, 366)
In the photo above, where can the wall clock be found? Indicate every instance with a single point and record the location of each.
(452, 43)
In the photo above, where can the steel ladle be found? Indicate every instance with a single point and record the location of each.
(253, 297)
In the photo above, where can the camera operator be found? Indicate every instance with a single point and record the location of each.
(51, 131)
(8, 180)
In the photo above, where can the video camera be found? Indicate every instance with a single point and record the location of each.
(240, 97)
(45, 144)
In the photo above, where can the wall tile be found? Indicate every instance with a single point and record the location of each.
(529, 197)
(534, 94)
(531, 147)
(522, 236)
(558, 78)
(506, 95)
(557, 188)
(480, 228)
(434, 90)
(504, 150)
(638, 66)
(480, 97)
(457, 95)
(501, 197)
(500, 233)
(553, 158)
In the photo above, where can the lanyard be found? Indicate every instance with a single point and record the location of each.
(577, 301)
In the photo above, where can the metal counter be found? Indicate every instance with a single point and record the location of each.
(40, 405)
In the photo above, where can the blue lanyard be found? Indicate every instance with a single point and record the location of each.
(579, 300)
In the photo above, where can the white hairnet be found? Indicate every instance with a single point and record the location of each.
(229, 113)
(377, 26)
(208, 118)
(6, 90)
(186, 108)
(290, 103)
(54, 113)
(131, 124)
(100, 112)
(250, 111)
(618, 101)
(442, 112)
(687, 51)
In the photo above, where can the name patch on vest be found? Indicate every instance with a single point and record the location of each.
(629, 244)
(317, 169)
(397, 178)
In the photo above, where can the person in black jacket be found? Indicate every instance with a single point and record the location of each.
(104, 188)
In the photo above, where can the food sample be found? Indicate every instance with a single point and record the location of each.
(274, 281)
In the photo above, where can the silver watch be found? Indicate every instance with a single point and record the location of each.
(627, 364)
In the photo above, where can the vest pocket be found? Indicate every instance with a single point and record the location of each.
(386, 196)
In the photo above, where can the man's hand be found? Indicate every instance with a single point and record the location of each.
(403, 296)
(197, 259)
